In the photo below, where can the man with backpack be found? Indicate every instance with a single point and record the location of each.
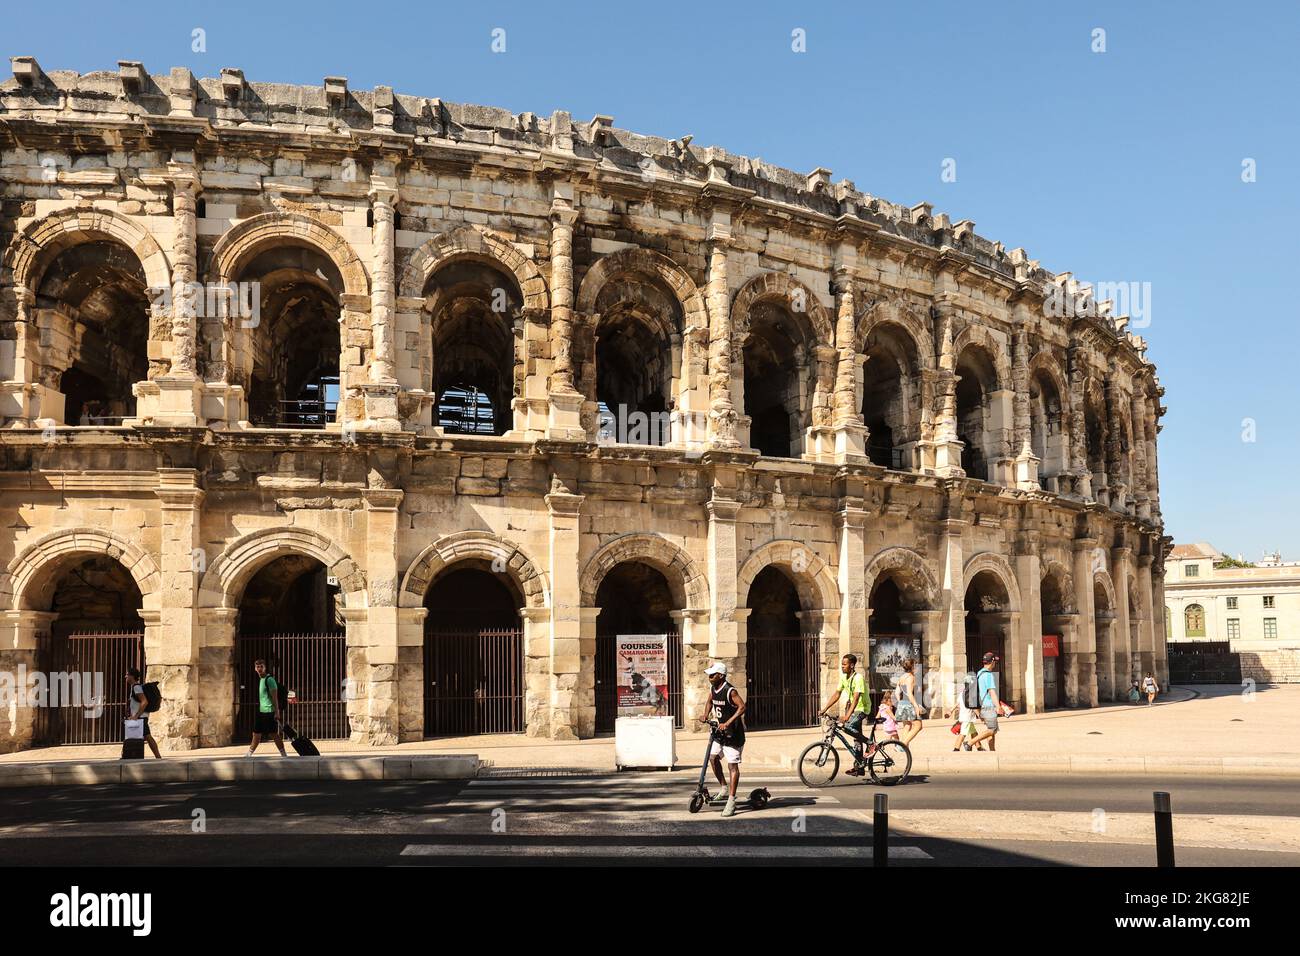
(988, 702)
(145, 699)
(268, 717)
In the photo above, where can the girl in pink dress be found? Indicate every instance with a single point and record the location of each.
(886, 713)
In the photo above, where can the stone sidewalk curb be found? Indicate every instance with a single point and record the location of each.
(221, 769)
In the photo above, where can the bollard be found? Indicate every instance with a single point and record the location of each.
(880, 832)
(1164, 830)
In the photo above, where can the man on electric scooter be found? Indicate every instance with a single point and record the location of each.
(728, 710)
(853, 687)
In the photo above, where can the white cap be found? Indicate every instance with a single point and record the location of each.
(717, 667)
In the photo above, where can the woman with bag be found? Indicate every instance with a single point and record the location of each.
(908, 712)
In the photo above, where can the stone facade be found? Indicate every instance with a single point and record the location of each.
(854, 393)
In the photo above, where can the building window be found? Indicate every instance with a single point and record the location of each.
(1270, 627)
(1193, 571)
(1194, 620)
(1268, 600)
(1234, 628)
(1232, 604)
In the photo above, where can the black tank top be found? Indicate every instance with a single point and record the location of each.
(724, 710)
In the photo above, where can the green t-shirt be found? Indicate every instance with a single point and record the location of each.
(851, 684)
(267, 687)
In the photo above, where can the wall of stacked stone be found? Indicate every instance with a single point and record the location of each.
(118, 156)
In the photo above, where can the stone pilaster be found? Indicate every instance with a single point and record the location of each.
(1145, 650)
(722, 411)
(566, 620)
(850, 530)
(727, 642)
(945, 448)
(1029, 577)
(1122, 645)
(379, 390)
(1116, 466)
(1085, 664)
(20, 635)
(380, 718)
(216, 697)
(411, 682)
(1078, 427)
(952, 625)
(1026, 463)
(564, 399)
(173, 657)
(850, 430)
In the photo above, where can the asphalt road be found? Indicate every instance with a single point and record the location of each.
(605, 820)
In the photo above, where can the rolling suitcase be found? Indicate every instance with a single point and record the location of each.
(301, 743)
(133, 749)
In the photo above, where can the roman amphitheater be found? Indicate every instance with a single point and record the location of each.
(426, 402)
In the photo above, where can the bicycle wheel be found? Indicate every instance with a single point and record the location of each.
(891, 763)
(818, 764)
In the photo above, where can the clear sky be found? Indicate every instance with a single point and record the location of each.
(1121, 166)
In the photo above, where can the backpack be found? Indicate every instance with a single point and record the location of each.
(281, 692)
(152, 697)
(971, 691)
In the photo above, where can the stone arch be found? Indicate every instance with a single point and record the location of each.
(454, 548)
(1045, 361)
(787, 289)
(1051, 568)
(34, 570)
(1001, 568)
(650, 263)
(1108, 586)
(887, 313)
(40, 241)
(817, 587)
(908, 568)
(226, 578)
(469, 242)
(982, 337)
(685, 577)
(240, 243)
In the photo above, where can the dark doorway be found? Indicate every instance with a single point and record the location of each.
(473, 654)
(782, 662)
(289, 618)
(633, 598)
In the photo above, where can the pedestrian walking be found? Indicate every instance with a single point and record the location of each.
(1151, 687)
(727, 710)
(268, 718)
(139, 704)
(986, 689)
(909, 711)
(966, 728)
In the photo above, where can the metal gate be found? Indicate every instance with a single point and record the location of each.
(607, 681)
(784, 686)
(314, 669)
(473, 682)
(85, 686)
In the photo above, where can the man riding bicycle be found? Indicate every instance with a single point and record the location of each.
(853, 686)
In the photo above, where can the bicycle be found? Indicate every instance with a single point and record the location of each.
(889, 762)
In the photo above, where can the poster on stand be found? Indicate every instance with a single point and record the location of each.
(887, 656)
(642, 684)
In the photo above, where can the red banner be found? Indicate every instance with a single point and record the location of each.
(1051, 645)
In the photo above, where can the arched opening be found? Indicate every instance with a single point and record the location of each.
(96, 634)
(1046, 429)
(888, 382)
(473, 653)
(779, 377)
(1194, 621)
(976, 381)
(1103, 620)
(892, 639)
(634, 598)
(476, 309)
(1053, 605)
(295, 338)
(988, 622)
(93, 317)
(290, 617)
(783, 660)
(637, 347)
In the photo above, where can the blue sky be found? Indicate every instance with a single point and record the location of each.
(1118, 166)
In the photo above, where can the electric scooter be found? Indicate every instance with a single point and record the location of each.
(757, 798)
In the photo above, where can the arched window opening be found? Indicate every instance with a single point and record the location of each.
(1047, 433)
(1194, 620)
(888, 375)
(782, 661)
(779, 373)
(634, 598)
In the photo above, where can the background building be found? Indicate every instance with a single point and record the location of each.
(1255, 610)
(425, 402)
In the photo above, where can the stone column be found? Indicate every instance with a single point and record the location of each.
(217, 675)
(175, 399)
(722, 412)
(566, 619)
(728, 638)
(563, 397)
(20, 636)
(537, 668)
(850, 529)
(850, 431)
(1029, 577)
(1078, 426)
(25, 401)
(946, 447)
(1026, 463)
(1121, 646)
(1116, 473)
(379, 718)
(1147, 617)
(380, 389)
(1153, 468)
(1085, 665)
(1138, 426)
(585, 703)
(952, 656)
(694, 626)
(411, 682)
(173, 661)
